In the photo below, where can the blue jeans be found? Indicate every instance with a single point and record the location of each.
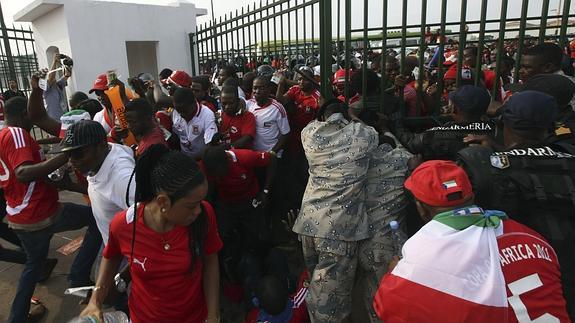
(36, 245)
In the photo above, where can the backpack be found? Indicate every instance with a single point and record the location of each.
(534, 186)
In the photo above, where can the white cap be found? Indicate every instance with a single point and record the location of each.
(394, 225)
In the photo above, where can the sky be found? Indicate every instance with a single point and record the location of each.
(221, 7)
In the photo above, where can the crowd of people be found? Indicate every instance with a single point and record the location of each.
(197, 186)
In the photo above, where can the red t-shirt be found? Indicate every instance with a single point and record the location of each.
(306, 107)
(154, 137)
(532, 275)
(210, 102)
(299, 310)
(241, 184)
(490, 78)
(164, 289)
(235, 127)
(165, 119)
(26, 203)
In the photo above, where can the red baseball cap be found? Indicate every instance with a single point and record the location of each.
(180, 78)
(339, 76)
(101, 83)
(440, 183)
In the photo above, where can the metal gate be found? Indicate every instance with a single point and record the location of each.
(17, 56)
(259, 34)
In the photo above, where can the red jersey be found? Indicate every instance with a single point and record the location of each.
(164, 289)
(306, 107)
(531, 271)
(299, 309)
(154, 137)
(210, 102)
(490, 78)
(165, 119)
(241, 184)
(235, 127)
(26, 203)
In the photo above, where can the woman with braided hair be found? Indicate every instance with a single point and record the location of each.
(171, 243)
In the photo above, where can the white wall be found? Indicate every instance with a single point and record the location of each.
(98, 31)
(51, 30)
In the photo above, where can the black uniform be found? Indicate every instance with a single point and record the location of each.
(534, 185)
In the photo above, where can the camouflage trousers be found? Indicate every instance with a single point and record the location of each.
(333, 268)
(375, 254)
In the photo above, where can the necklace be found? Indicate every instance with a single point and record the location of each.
(166, 244)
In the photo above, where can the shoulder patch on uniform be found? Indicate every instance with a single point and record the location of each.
(500, 161)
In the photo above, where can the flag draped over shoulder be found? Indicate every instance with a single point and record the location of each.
(450, 272)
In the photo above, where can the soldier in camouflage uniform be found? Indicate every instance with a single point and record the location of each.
(333, 218)
(385, 202)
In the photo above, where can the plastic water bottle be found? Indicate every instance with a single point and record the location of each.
(109, 317)
(398, 237)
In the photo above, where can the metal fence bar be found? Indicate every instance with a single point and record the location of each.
(313, 28)
(289, 32)
(364, 52)
(268, 28)
(275, 33)
(297, 30)
(325, 47)
(226, 35)
(383, 50)
(421, 55)
(249, 35)
(282, 31)
(462, 27)
(6, 41)
(402, 51)
(522, 24)
(497, 83)
(441, 52)
(338, 47)
(563, 41)
(543, 26)
(243, 68)
(29, 67)
(304, 34)
(193, 53)
(347, 92)
(481, 39)
(261, 31)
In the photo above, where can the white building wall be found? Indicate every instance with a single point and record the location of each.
(51, 30)
(94, 34)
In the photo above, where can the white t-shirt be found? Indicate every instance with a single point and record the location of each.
(194, 135)
(241, 93)
(271, 121)
(101, 119)
(107, 188)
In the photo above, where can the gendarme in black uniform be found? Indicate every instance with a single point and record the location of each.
(531, 180)
(444, 141)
